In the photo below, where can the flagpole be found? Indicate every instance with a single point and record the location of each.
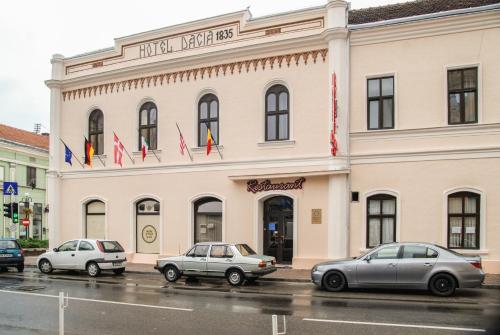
(154, 153)
(206, 123)
(72, 154)
(189, 153)
(126, 151)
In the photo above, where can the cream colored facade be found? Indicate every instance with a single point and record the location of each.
(420, 162)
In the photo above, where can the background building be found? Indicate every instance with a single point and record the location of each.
(414, 127)
(24, 158)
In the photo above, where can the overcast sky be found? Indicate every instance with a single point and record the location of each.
(32, 31)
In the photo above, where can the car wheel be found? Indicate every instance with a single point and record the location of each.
(334, 281)
(20, 268)
(443, 285)
(235, 277)
(45, 266)
(119, 271)
(93, 269)
(171, 274)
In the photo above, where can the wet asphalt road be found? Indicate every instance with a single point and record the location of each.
(146, 304)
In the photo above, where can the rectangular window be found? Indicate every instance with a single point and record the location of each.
(380, 103)
(462, 96)
(381, 220)
(37, 220)
(463, 220)
(31, 176)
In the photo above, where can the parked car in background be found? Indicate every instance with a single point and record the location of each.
(11, 254)
(84, 254)
(235, 262)
(402, 265)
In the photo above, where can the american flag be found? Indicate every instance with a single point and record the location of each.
(182, 144)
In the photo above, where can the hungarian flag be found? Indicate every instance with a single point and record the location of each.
(209, 141)
(144, 147)
(89, 152)
(118, 152)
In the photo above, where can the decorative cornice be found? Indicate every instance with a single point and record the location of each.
(195, 73)
(424, 28)
(335, 33)
(51, 83)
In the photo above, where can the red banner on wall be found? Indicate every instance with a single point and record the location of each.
(333, 133)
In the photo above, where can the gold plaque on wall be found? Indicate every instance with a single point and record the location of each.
(316, 216)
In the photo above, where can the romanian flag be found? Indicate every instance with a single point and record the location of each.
(209, 141)
(89, 152)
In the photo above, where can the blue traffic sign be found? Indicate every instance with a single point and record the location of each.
(9, 188)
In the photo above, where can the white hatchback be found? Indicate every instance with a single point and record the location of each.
(84, 254)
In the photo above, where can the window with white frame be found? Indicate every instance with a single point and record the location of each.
(463, 220)
(380, 220)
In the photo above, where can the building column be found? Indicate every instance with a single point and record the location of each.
(336, 34)
(54, 173)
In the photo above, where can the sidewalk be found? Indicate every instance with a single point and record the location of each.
(282, 274)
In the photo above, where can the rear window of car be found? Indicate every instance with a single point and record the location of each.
(9, 245)
(111, 246)
(245, 250)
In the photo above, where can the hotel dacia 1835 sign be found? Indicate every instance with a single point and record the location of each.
(254, 186)
(198, 39)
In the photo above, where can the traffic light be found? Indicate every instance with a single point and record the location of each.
(7, 210)
(15, 212)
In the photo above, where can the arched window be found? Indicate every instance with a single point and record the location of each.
(148, 226)
(277, 113)
(207, 220)
(148, 125)
(208, 114)
(463, 220)
(96, 131)
(95, 214)
(381, 220)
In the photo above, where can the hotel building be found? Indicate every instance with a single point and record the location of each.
(415, 124)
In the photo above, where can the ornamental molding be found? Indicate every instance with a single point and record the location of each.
(302, 58)
(387, 31)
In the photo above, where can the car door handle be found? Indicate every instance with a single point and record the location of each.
(203, 259)
(427, 264)
(392, 264)
(229, 260)
(72, 254)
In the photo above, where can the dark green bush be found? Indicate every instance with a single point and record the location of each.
(32, 243)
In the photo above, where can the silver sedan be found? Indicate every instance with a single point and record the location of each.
(402, 265)
(236, 262)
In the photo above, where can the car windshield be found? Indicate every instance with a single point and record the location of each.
(8, 245)
(245, 250)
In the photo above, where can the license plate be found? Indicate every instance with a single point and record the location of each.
(5, 255)
(117, 263)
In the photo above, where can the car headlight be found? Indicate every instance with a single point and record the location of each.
(314, 269)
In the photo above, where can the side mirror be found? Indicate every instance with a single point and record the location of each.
(368, 258)
(56, 250)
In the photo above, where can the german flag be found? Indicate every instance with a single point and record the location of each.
(89, 152)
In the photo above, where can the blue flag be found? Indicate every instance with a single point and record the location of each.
(67, 155)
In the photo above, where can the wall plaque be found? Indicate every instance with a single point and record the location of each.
(149, 234)
(254, 186)
(316, 216)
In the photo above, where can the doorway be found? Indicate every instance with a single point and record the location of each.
(278, 228)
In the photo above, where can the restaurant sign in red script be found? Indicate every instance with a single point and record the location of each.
(266, 185)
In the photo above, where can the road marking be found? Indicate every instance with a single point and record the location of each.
(396, 325)
(101, 301)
